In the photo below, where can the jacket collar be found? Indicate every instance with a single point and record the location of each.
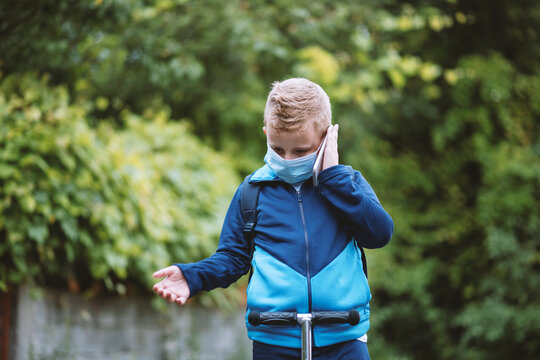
(264, 174)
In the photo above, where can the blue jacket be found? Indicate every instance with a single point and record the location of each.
(304, 259)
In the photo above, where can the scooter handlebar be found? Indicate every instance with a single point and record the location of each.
(256, 318)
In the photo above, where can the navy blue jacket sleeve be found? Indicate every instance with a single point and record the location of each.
(231, 260)
(351, 195)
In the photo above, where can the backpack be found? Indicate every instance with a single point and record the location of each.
(248, 206)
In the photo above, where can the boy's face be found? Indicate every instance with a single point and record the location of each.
(293, 144)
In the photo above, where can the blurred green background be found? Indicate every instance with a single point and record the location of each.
(126, 125)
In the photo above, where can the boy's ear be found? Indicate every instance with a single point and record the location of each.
(264, 130)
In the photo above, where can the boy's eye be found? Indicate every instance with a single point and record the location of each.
(301, 151)
(278, 150)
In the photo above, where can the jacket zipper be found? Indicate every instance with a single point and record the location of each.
(308, 273)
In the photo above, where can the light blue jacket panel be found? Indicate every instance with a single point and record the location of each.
(340, 286)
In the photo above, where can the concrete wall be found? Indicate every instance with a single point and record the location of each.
(61, 325)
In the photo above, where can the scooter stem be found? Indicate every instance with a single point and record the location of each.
(305, 321)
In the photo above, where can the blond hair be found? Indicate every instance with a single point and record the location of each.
(297, 103)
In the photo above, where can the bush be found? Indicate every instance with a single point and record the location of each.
(83, 207)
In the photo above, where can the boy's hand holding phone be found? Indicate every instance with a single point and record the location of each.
(328, 154)
(331, 156)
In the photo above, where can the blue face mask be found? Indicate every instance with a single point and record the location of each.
(291, 171)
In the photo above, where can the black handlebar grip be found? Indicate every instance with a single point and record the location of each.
(256, 318)
(336, 317)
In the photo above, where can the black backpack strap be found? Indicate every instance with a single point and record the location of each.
(364, 261)
(249, 196)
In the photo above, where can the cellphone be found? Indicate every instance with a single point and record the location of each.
(318, 162)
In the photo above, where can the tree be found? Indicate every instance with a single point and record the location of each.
(455, 153)
(87, 207)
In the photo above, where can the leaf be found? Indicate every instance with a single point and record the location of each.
(7, 171)
(69, 226)
(38, 232)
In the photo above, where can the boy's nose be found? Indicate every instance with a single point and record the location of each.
(288, 156)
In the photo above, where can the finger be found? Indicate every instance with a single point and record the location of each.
(163, 272)
(332, 140)
(172, 298)
(335, 129)
(167, 293)
(335, 134)
(181, 300)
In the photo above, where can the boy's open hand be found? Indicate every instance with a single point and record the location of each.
(331, 156)
(174, 288)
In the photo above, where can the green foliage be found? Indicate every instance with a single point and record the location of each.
(459, 170)
(81, 205)
(466, 251)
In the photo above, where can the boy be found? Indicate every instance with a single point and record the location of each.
(306, 255)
